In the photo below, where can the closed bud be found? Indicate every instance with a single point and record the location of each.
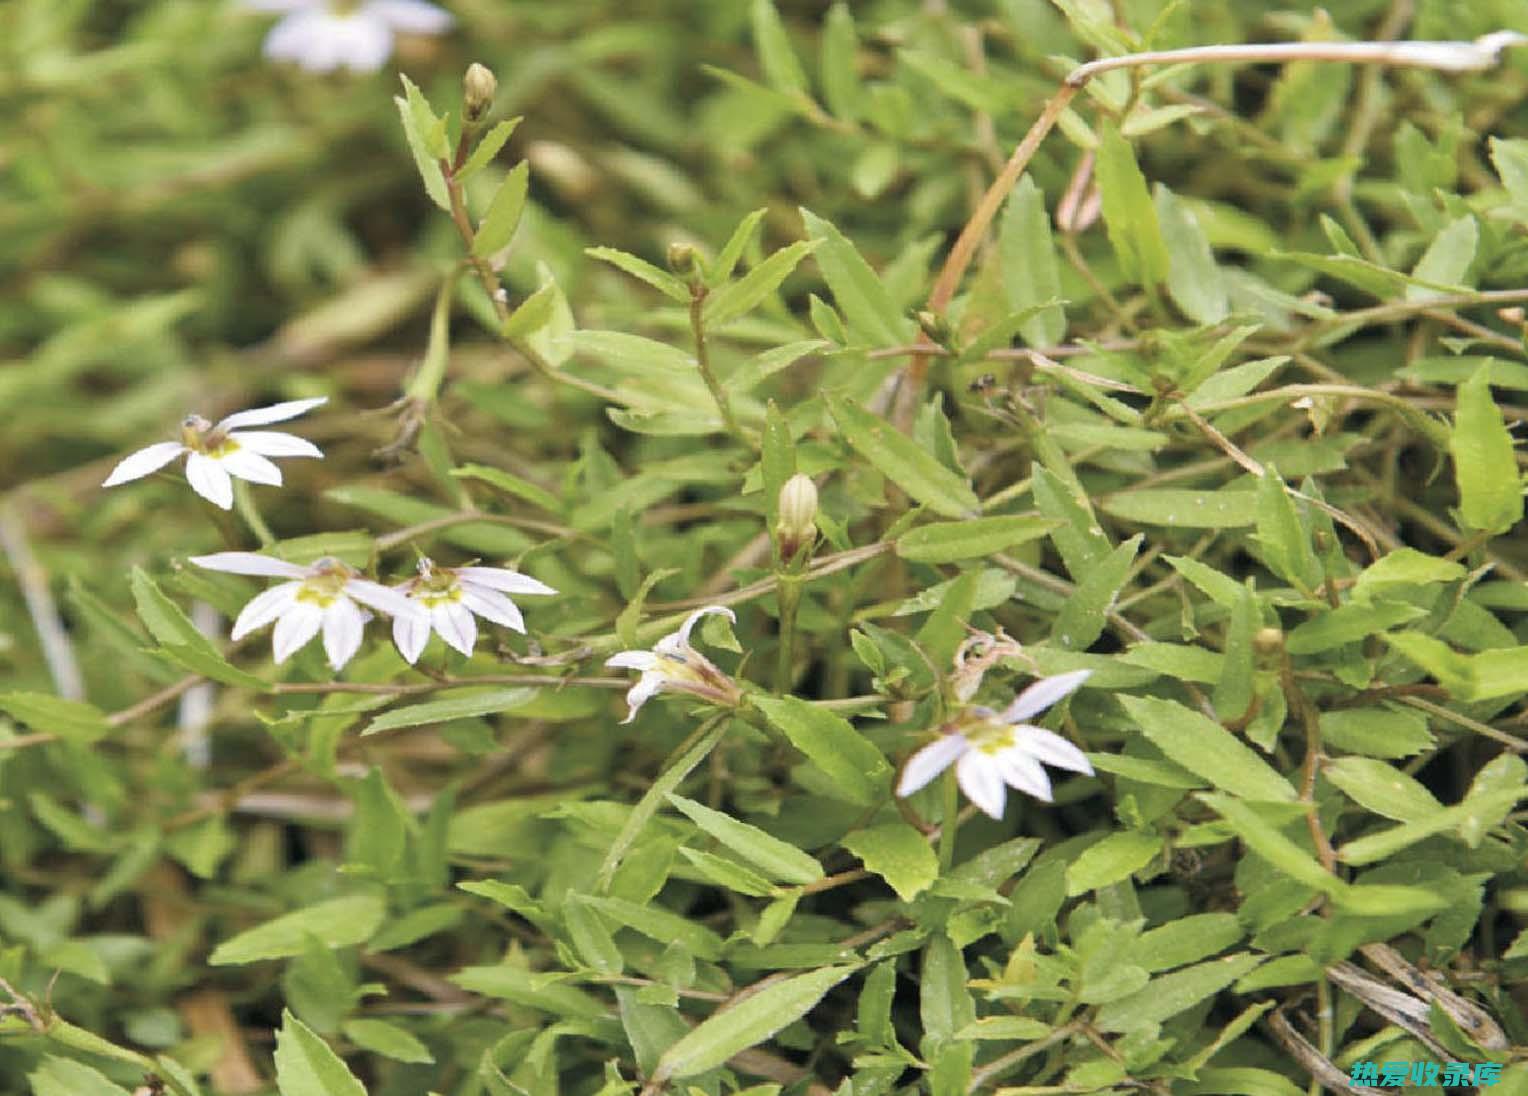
(479, 87)
(798, 516)
(681, 258)
(1268, 641)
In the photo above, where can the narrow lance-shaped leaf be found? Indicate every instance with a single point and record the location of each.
(746, 1024)
(306, 1066)
(782, 69)
(1031, 274)
(1128, 212)
(1485, 467)
(503, 215)
(903, 461)
(777, 859)
(841, 87)
(872, 315)
(1193, 281)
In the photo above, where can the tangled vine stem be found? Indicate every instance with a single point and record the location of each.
(1473, 56)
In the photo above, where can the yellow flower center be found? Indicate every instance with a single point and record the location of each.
(326, 584)
(199, 436)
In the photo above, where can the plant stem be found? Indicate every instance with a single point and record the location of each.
(703, 360)
(789, 595)
(949, 821)
(244, 502)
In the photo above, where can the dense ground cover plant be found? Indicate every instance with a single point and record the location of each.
(842, 623)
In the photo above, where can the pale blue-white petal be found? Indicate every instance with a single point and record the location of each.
(982, 782)
(251, 466)
(273, 443)
(294, 628)
(344, 624)
(250, 563)
(410, 634)
(276, 412)
(210, 480)
(1042, 694)
(264, 608)
(151, 458)
(455, 625)
(633, 660)
(498, 578)
(1050, 748)
(1023, 772)
(930, 761)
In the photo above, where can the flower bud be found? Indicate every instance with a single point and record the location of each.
(1268, 641)
(798, 516)
(681, 258)
(479, 87)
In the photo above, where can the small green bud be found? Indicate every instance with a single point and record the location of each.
(797, 526)
(1268, 641)
(681, 258)
(479, 86)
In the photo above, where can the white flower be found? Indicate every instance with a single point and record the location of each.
(993, 750)
(323, 35)
(320, 596)
(450, 595)
(213, 453)
(674, 666)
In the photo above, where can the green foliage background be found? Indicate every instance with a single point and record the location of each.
(1261, 482)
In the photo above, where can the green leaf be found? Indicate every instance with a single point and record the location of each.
(841, 87)
(1404, 569)
(661, 280)
(510, 484)
(503, 217)
(657, 923)
(1485, 467)
(73, 720)
(897, 853)
(1348, 624)
(180, 638)
(1510, 158)
(1078, 538)
(534, 313)
(782, 69)
(1193, 281)
(948, 541)
(903, 461)
(462, 704)
(306, 1066)
(1128, 212)
(1386, 843)
(388, 1040)
(1186, 940)
(944, 999)
(777, 859)
(1031, 273)
(732, 250)
(1235, 685)
(590, 937)
(1389, 731)
(653, 798)
(66, 1077)
(1115, 858)
(1224, 509)
(753, 1020)
(1283, 539)
(1206, 749)
(487, 149)
(1265, 839)
(739, 298)
(1083, 616)
(420, 127)
(337, 923)
(380, 825)
(858, 769)
(1446, 259)
(1170, 994)
(872, 315)
(1382, 789)
(522, 987)
(69, 826)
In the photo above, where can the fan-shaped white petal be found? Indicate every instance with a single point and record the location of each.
(251, 466)
(276, 412)
(1042, 694)
(455, 625)
(294, 628)
(343, 625)
(930, 761)
(983, 784)
(151, 458)
(273, 443)
(264, 608)
(250, 563)
(498, 578)
(209, 479)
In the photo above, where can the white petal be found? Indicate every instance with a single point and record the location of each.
(494, 606)
(410, 16)
(264, 608)
(1023, 772)
(343, 625)
(277, 412)
(640, 693)
(273, 443)
(410, 634)
(455, 625)
(250, 466)
(381, 597)
(148, 459)
(209, 479)
(930, 761)
(1051, 748)
(360, 42)
(633, 660)
(289, 39)
(980, 779)
(690, 621)
(497, 578)
(250, 563)
(294, 628)
(277, 5)
(1042, 694)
